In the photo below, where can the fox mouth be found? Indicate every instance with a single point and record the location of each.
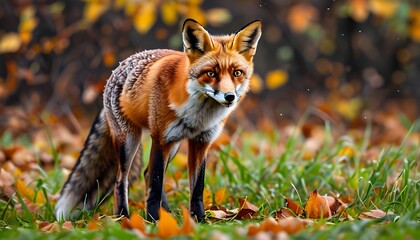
(218, 97)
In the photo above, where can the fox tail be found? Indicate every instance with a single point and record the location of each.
(94, 174)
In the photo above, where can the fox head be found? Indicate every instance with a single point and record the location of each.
(220, 66)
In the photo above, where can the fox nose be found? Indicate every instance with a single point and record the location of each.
(229, 97)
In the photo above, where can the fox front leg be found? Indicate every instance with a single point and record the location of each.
(126, 153)
(197, 154)
(159, 155)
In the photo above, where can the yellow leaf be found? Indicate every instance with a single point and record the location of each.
(383, 8)
(196, 13)
(359, 10)
(167, 226)
(220, 196)
(93, 10)
(349, 108)
(276, 78)
(189, 223)
(28, 193)
(145, 17)
(169, 12)
(256, 83)
(180, 160)
(218, 16)
(10, 42)
(346, 151)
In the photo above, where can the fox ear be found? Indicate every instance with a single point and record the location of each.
(246, 39)
(196, 39)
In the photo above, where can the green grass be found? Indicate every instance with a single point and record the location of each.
(251, 167)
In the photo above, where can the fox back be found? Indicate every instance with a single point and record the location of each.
(176, 96)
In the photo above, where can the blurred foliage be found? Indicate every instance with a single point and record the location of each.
(341, 56)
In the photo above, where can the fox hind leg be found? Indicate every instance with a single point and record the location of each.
(127, 154)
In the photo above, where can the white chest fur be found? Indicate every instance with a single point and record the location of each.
(199, 115)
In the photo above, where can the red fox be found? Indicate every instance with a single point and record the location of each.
(176, 96)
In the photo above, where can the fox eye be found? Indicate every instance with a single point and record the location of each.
(211, 74)
(237, 73)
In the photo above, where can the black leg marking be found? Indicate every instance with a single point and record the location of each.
(155, 182)
(196, 204)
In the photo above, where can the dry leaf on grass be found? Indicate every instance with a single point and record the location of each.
(320, 206)
(374, 214)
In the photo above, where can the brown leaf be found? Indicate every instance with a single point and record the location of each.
(67, 225)
(292, 205)
(48, 227)
(246, 213)
(283, 213)
(292, 224)
(244, 204)
(374, 214)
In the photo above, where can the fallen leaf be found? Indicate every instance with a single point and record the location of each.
(137, 222)
(293, 206)
(374, 214)
(94, 223)
(28, 193)
(189, 224)
(319, 206)
(220, 196)
(67, 225)
(167, 225)
(244, 204)
(283, 213)
(291, 224)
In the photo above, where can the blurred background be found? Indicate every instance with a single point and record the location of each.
(347, 62)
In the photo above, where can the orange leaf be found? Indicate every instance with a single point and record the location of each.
(137, 222)
(167, 225)
(220, 196)
(207, 201)
(93, 224)
(300, 16)
(189, 224)
(359, 10)
(28, 193)
(319, 206)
